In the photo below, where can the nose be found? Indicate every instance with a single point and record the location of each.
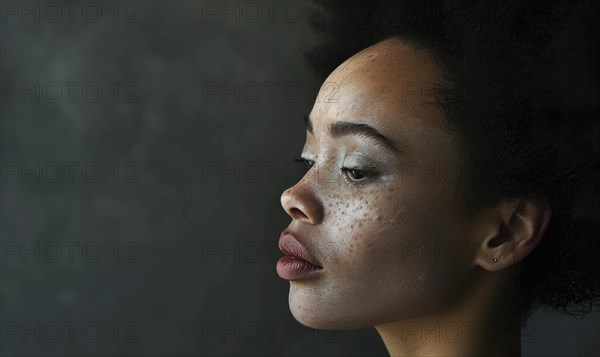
(301, 203)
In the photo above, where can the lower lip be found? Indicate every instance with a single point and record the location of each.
(292, 268)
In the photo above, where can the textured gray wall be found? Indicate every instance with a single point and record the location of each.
(166, 251)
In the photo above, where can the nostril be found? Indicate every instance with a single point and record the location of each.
(296, 213)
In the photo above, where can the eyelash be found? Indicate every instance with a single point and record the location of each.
(308, 163)
(367, 175)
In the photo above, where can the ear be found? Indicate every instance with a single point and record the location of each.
(512, 230)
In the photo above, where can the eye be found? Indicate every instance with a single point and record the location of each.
(307, 163)
(356, 176)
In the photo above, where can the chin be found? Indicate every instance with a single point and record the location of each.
(325, 321)
(318, 312)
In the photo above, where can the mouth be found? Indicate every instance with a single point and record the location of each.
(297, 263)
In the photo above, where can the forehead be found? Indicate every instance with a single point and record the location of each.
(389, 85)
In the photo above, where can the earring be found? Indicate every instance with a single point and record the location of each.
(495, 260)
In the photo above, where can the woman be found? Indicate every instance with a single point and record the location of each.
(440, 204)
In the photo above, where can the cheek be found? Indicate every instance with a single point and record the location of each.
(354, 223)
(372, 224)
(389, 246)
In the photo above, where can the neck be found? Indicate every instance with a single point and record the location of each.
(486, 323)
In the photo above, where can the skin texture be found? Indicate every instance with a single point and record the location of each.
(398, 247)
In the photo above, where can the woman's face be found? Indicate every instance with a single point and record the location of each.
(390, 234)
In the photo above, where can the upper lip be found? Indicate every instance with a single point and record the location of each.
(290, 245)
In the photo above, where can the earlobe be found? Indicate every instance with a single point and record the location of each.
(515, 228)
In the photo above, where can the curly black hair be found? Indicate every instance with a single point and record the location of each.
(522, 96)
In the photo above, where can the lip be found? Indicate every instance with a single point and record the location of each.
(297, 263)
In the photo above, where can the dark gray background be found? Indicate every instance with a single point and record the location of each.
(187, 263)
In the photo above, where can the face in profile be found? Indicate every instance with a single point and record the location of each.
(378, 214)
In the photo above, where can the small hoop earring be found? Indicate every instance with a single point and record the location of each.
(495, 260)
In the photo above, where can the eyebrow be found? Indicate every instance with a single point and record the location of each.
(344, 128)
